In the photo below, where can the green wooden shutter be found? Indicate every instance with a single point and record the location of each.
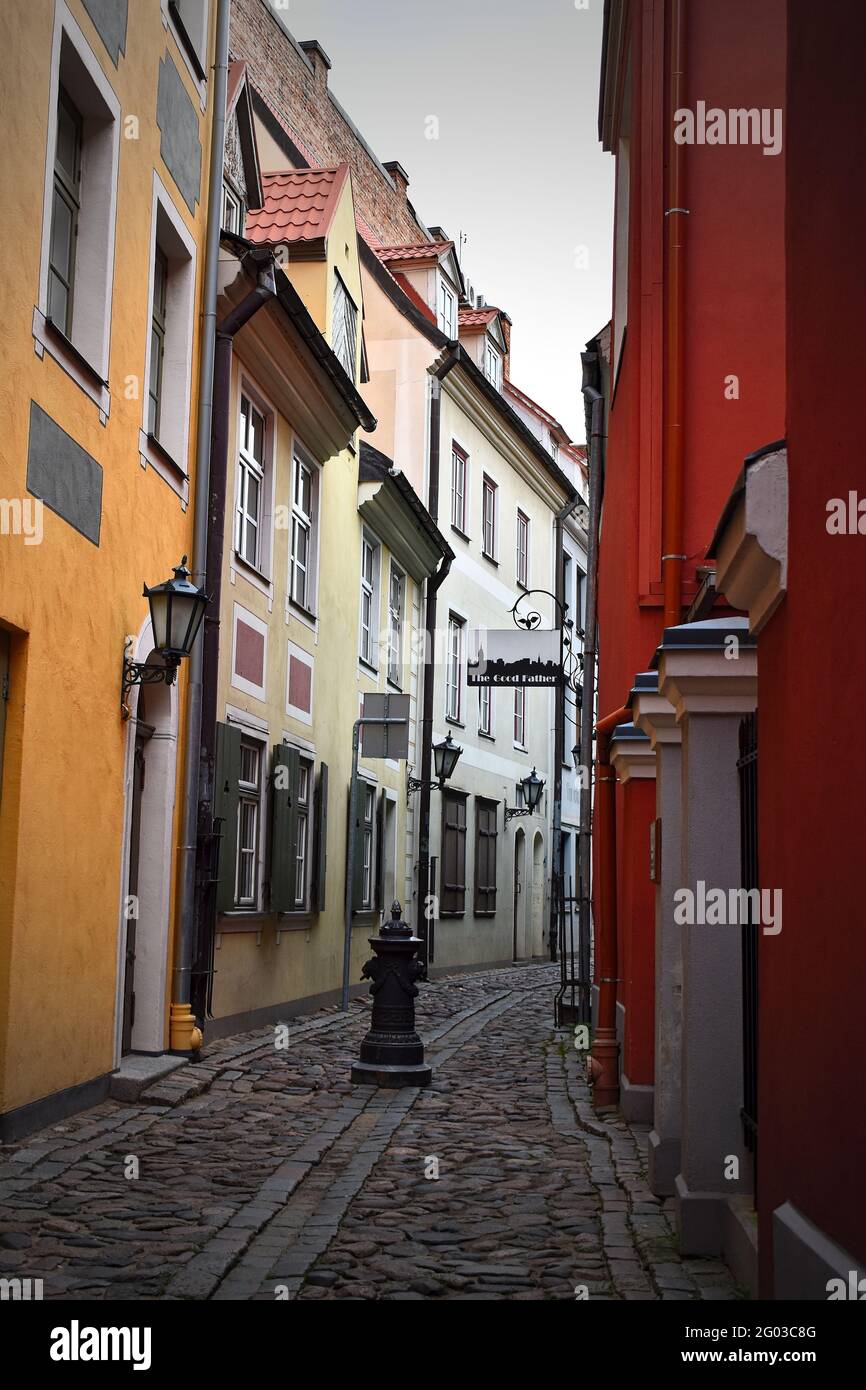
(356, 831)
(226, 778)
(320, 831)
(379, 882)
(284, 827)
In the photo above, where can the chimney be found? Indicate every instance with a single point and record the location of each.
(506, 333)
(399, 176)
(319, 59)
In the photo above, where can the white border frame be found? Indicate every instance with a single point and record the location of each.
(258, 692)
(295, 711)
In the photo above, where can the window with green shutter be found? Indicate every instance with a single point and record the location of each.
(284, 828)
(453, 896)
(320, 840)
(485, 857)
(226, 801)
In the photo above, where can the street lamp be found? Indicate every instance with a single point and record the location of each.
(445, 756)
(176, 612)
(532, 786)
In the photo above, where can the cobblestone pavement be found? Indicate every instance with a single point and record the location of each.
(263, 1173)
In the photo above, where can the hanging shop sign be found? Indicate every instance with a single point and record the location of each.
(515, 657)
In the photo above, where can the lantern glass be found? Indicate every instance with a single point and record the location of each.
(533, 786)
(445, 755)
(176, 610)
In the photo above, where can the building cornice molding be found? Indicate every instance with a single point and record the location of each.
(751, 544)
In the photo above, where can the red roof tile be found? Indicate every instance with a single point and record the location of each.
(411, 293)
(476, 318)
(298, 205)
(426, 250)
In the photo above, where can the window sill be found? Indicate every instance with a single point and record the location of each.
(305, 615)
(519, 747)
(49, 338)
(395, 685)
(490, 560)
(457, 723)
(491, 738)
(483, 912)
(154, 455)
(453, 915)
(368, 667)
(251, 572)
(458, 531)
(302, 920)
(520, 584)
(365, 917)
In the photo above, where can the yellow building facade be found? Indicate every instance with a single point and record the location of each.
(106, 145)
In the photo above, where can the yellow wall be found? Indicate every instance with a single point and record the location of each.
(69, 602)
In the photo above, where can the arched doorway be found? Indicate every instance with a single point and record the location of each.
(518, 911)
(147, 865)
(536, 939)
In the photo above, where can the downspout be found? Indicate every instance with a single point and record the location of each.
(434, 584)
(234, 321)
(559, 729)
(672, 462)
(603, 1066)
(595, 399)
(184, 1036)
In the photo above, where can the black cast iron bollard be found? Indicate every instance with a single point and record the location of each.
(392, 1054)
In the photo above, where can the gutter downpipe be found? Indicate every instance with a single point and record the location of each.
(672, 463)
(557, 895)
(233, 322)
(603, 1066)
(184, 1036)
(434, 584)
(590, 646)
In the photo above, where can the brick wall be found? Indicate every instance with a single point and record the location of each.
(302, 101)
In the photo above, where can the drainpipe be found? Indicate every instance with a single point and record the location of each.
(265, 290)
(184, 1036)
(675, 215)
(559, 729)
(434, 584)
(603, 1068)
(595, 399)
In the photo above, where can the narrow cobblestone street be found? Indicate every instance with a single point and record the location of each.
(262, 1173)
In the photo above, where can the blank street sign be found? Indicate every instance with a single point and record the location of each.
(385, 740)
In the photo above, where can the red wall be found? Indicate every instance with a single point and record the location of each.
(812, 666)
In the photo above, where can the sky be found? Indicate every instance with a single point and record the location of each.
(515, 167)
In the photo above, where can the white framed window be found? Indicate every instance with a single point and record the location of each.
(369, 818)
(447, 309)
(73, 319)
(164, 440)
(251, 483)
(302, 804)
(232, 211)
(396, 598)
(302, 566)
(249, 820)
(344, 333)
(520, 716)
(189, 22)
(522, 557)
(485, 710)
(488, 517)
(454, 669)
(493, 364)
(459, 479)
(368, 647)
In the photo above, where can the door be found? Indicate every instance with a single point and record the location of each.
(143, 733)
(517, 898)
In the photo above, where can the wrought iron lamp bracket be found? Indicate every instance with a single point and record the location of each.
(142, 673)
(511, 811)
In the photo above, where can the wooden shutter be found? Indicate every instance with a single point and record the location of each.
(453, 899)
(485, 856)
(320, 831)
(356, 832)
(379, 881)
(284, 828)
(226, 777)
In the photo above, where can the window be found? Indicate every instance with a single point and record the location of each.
(157, 342)
(64, 213)
(190, 21)
(453, 680)
(233, 211)
(523, 549)
(249, 809)
(368, 820)
(520, 715)
(302, 804)
(488, 518)
(344, 336)
(453, 895)
(251, 482)
(492, 365)
(447, 309)
(485, 711)
(396, 590)
(459, 462)
(485, 857)
(368, 646)
(304, 497)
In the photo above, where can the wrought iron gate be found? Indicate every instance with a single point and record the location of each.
(747, 767)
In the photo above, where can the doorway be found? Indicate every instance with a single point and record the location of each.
(517, 913)
(536, 940)
(143, 734)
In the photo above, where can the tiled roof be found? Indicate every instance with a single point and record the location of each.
(299, 205)
(426, 250)
(476, 318)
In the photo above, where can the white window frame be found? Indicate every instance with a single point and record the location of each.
(447, 309)
(488, 522)
(342, 298)
(368, 847)
(304, 657)
(233, 212)
(521, 557)
(91, 92)
(493, 364)
(304, 805)
(519, 726)
(250, 469)
(395, 623)
(199, 42)
(250, 793)
(308, 523)
(459, 486)
(240, 682)
(170, 457)
(368, 614)
(486, 725)
(454, 669)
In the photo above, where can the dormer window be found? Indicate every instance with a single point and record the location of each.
(344, 333)
(233, 211)
(493, 365)
(447, 309)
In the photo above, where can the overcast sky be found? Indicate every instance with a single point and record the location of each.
(517, 167)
